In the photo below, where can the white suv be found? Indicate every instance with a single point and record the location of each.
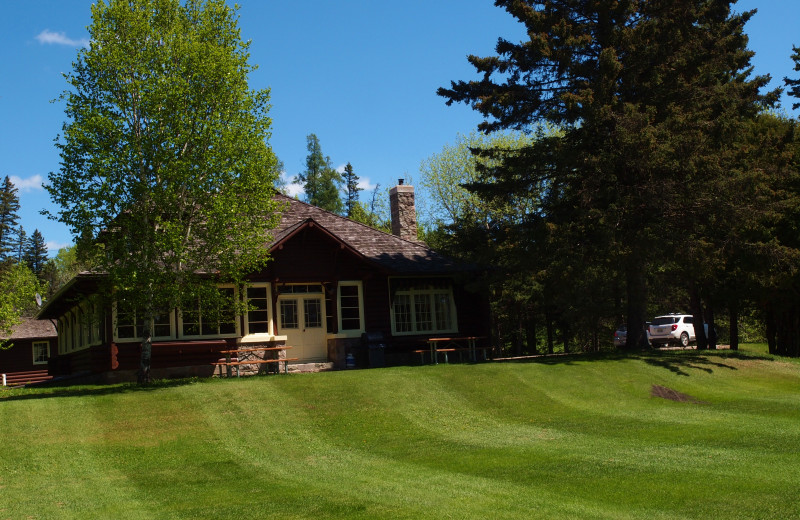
(672, 328)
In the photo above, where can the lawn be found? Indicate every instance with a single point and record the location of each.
(561, 437)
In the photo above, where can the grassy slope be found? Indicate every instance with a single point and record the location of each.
(559, 438)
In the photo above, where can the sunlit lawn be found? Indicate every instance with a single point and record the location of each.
(566, 437)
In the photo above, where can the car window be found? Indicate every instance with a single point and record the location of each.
(688, 319)
(663, 320)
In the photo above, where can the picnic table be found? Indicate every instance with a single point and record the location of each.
(235, 363)
(454, 344)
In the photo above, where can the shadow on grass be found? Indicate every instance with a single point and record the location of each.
(679, 362)
(47, 392)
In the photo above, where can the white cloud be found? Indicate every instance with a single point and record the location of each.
(54, 247)
(292, 189)
(29, 184)
(50, 37)
(365, 184)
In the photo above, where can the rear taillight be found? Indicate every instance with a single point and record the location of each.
(674, 326)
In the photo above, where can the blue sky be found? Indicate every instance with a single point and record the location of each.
(360, 74)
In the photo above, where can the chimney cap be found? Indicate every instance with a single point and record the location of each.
(400, 182)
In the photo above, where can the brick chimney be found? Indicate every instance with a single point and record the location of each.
(404, 214)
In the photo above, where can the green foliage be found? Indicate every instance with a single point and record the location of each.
(18, 288)
(9, 216)
(566, 437)
(361, 214)
(447, 176)
(651, 98)
(166, 175)
(351, 190)
(794, 84)
(60, 269)
(320, 180)
(35, 254)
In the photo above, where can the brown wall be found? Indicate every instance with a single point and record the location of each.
(19, 358)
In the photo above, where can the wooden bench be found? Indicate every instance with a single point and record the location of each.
(453, 344)
(237, 363)
(230, 361)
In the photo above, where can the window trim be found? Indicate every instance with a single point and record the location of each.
(246, 334)
(411, 293)
(362, 325)
(117, 339)
(304, 295)
(47, 351)
(236, 321)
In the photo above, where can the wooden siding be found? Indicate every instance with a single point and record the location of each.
(19, 358)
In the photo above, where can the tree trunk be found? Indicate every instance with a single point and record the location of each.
(530, 331)
(549, 320)
(636, 288)
(712, 328)
(733, 313)
(520, 332)
(696, 307)
(770, 331)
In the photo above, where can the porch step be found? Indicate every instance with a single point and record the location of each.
(296, 368)
(24, 378)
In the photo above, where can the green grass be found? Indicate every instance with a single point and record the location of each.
(565, 437)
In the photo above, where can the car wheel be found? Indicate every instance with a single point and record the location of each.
(684, 339)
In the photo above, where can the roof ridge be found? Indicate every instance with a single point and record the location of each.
(417, 243)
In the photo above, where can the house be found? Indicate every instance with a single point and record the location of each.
(26, 361)
(331, 283)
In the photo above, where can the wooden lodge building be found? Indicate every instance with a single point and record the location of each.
(331, 283)
(27, 360)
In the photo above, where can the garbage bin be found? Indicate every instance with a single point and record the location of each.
(376, 347)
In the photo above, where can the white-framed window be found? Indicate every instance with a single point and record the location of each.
(200, 321)
(95, 314)
(350, 296)
(258, 317)
(75, 328)
(85, 323)
(129, 326)
(41, 352)
(422, 306)
(63, 335)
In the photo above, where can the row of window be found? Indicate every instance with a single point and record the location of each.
(80, 327)
(415, 308)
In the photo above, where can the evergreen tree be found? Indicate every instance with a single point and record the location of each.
(36, 253)
(794, 84)
(9, 206)
(352, 189)
(320, 180)
(21, 245)
(650, 95)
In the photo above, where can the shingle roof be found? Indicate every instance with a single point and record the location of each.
(388, 251)
(32, 328)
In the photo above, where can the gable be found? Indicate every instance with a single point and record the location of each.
(387, 252)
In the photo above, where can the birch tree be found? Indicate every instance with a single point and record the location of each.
(166, 177)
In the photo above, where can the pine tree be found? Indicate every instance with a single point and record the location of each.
(794, 84)
(352, 189)
(320, 180)
(36, 253)
(650, 95)
(9, 206)
(20, 245)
